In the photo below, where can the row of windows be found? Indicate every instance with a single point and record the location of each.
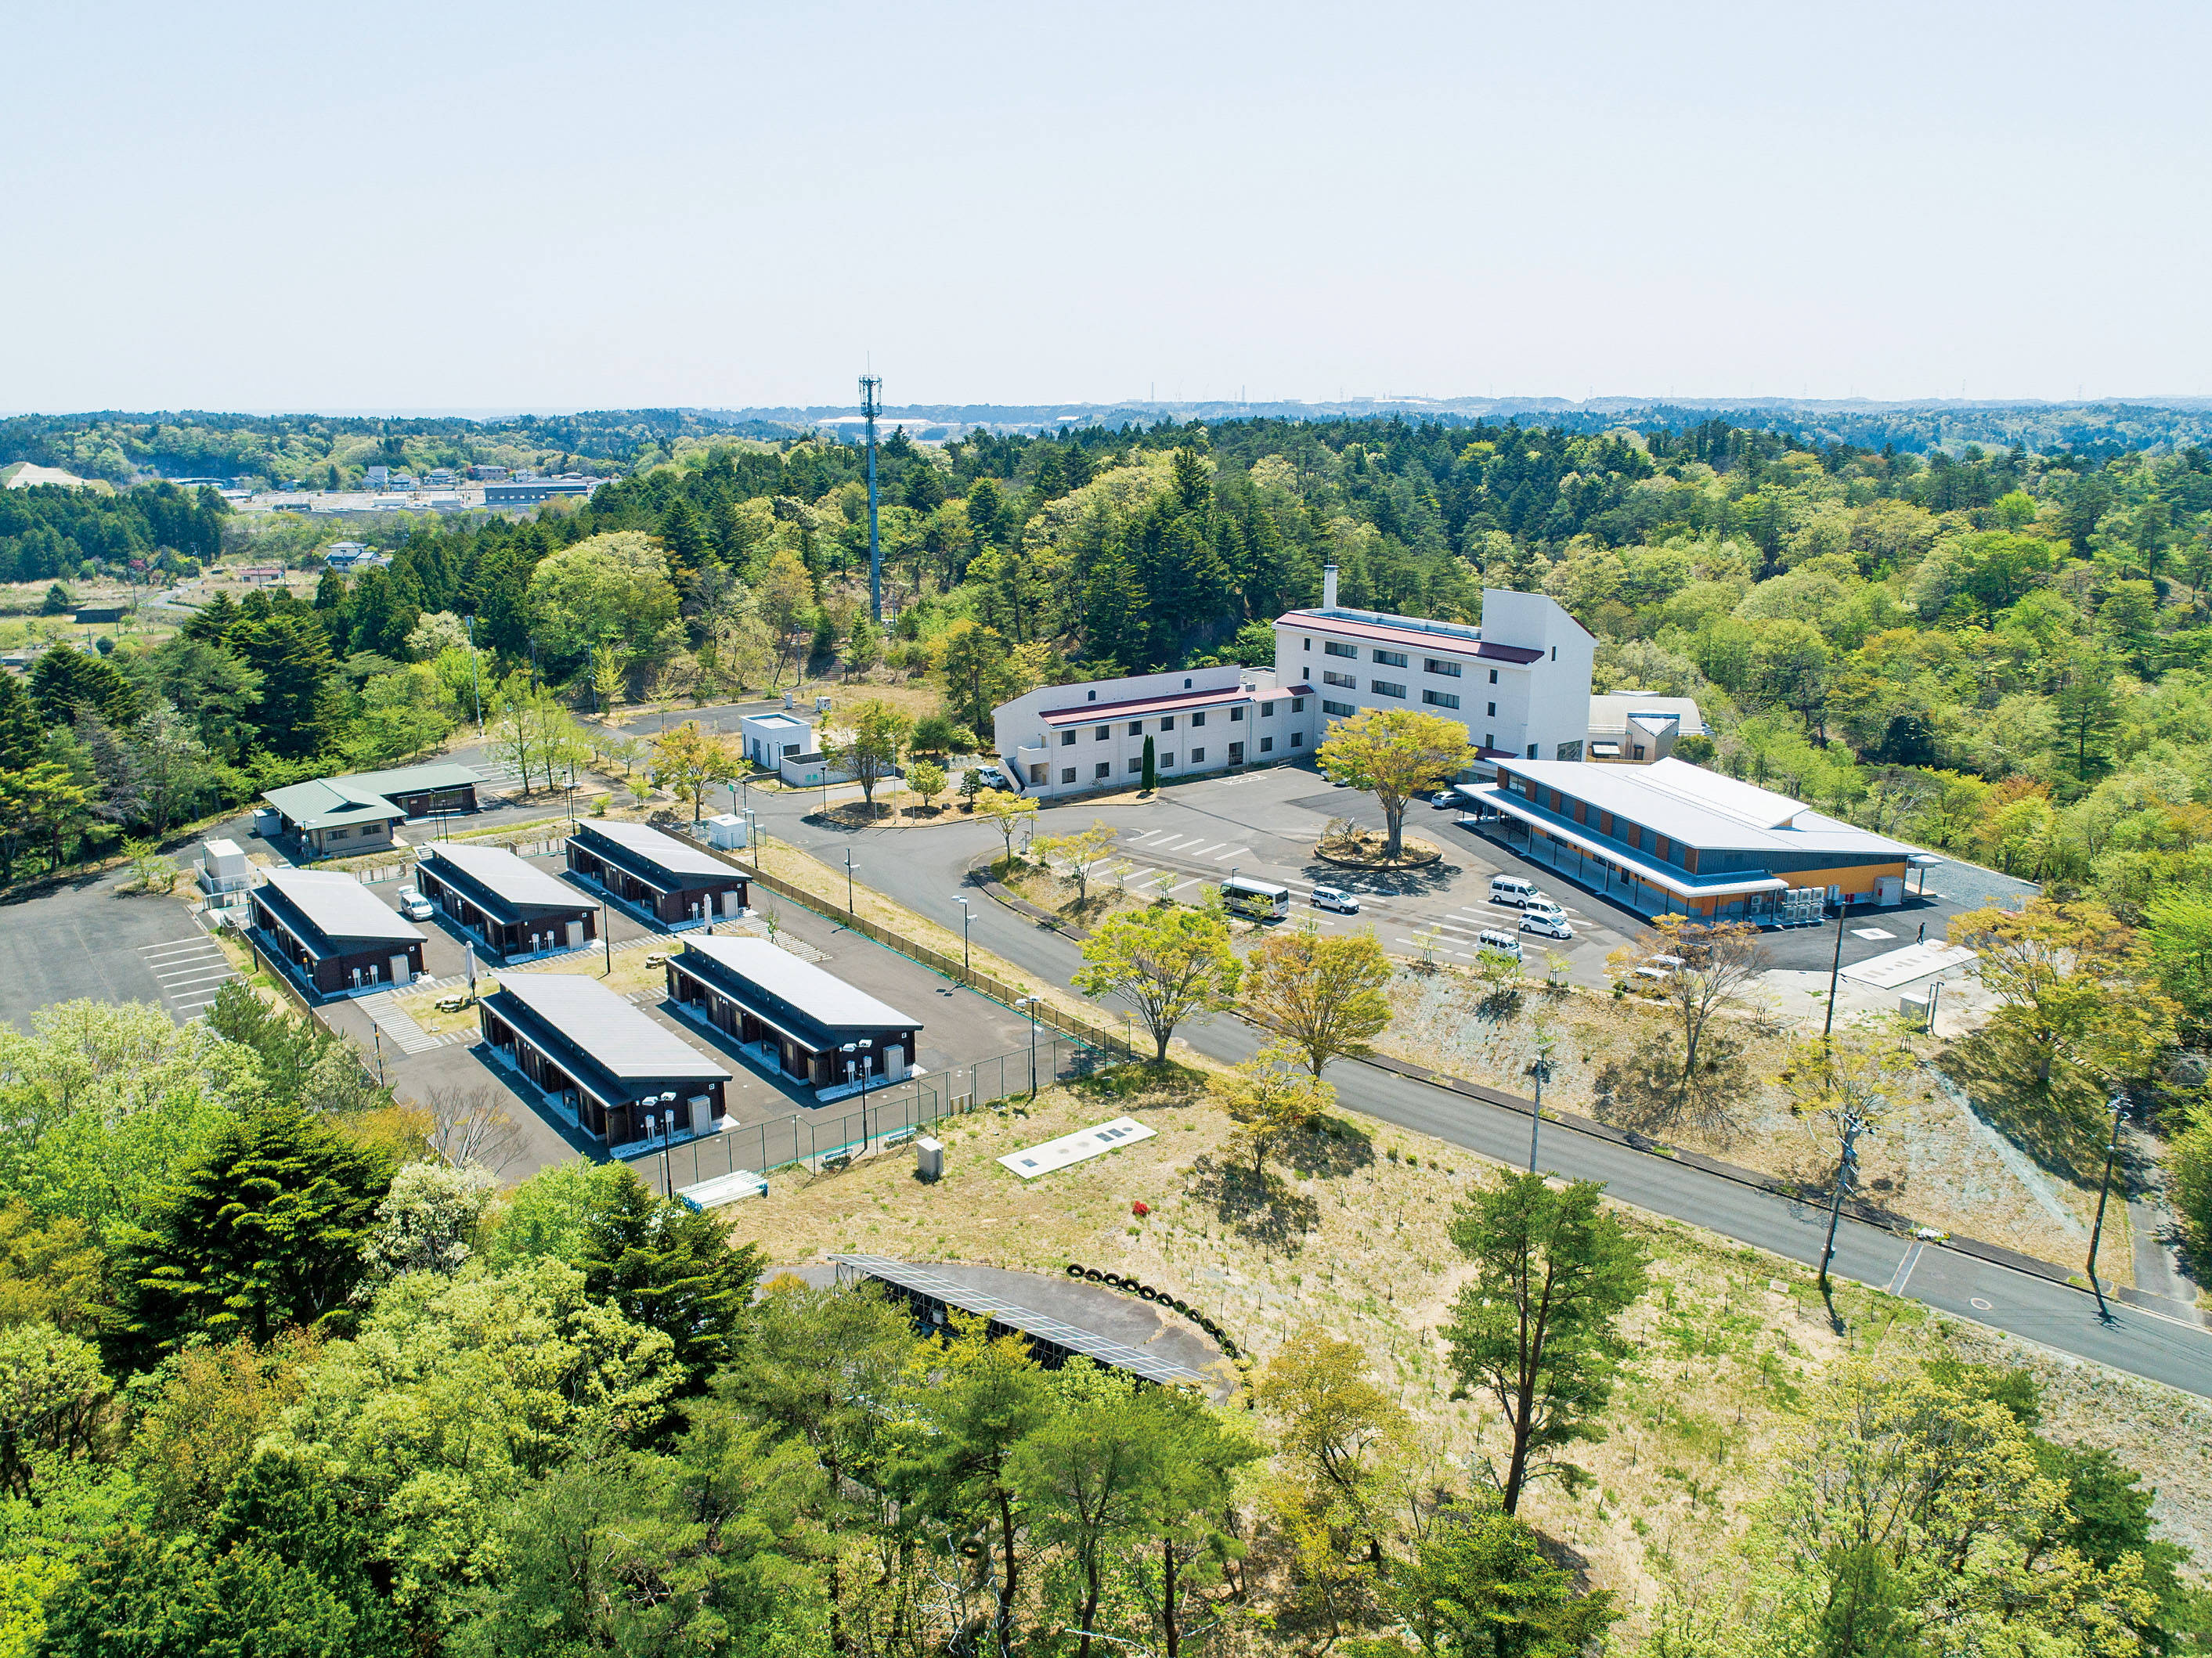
(1438, 666)
(1104, 769)
(1100, 733)
(1386, 687)
(1349, 681)
(1446, 700)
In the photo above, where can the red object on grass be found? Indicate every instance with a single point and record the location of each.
(1140, 1207)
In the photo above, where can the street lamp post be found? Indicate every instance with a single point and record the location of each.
(607, 941)
(1030, 1003)
(848, 880)
(967, 914)
(2118, 1107)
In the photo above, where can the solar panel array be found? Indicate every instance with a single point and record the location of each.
(921, 1281)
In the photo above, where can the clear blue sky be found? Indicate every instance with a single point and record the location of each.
(232, 206)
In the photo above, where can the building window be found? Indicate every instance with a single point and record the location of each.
(1137, 765)
(1068, 773)
(1386, 687)
(1068, 739)
(1494, 676)
(1341, 710)
(1266, 711)
(1338, 647)
(1136, 728)
(1349, 681)
(1102, 770)
(1267, 745)
(1297, 740)
(1186, 685)
(1532, 750)
(1437, 665)
(1197, 720)
(1306, 644)
(1298, 705)
(1489, 739)
(1091, 696)
(1493, 711)
(1441, 699)
(1167, 724)
(1167, 759)
(1235, 714)
(338, 835)
(1102, 733)
(1198, 756)
(1390, 659)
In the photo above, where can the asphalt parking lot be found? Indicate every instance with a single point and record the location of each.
(89, 939)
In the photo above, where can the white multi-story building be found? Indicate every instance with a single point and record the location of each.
(1520, 683)
(1075, 739)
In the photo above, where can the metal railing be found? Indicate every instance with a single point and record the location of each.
(890, 1116)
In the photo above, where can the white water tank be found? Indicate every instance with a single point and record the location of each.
(726, 833)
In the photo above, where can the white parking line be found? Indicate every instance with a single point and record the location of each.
(150, 951)
(177, 983)
(1202, 851)
(1186, 885)
(1234, 851)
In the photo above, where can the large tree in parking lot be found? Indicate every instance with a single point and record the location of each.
(1395, 754)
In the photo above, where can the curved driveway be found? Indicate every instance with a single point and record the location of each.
(924, 868)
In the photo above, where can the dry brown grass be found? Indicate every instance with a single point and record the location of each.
(1932, 1160)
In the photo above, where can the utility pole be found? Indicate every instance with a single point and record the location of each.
(872, 386)
(1835, 972)
(2119, 1107)
(1855, 1124)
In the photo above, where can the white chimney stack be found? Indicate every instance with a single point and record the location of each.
(1328, 586)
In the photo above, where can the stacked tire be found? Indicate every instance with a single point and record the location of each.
(1158, 1297)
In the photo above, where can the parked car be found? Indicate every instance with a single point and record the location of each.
(993, 778)
(412, 904)
(1444, 797)
(1514, 890)
(1336, 898)
(1551, 923)
(1657, 969)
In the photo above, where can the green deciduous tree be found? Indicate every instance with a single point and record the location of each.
(1395, 754)
(1538, 1327)
(1321, 996)
(610, 589)
(871, 750)
(1168, 962)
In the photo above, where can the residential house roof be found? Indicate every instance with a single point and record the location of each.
(496, 877)
(613, 1038)
(820, 997)
(1704, 809)
(653, 848)
(338, 907)
(1412, 632)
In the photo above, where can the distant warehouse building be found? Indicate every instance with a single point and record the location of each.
(529, 492)
(1671, 838)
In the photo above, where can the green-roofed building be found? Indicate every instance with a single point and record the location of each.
(342, 817)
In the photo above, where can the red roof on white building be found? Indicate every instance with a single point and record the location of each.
(1459, 644)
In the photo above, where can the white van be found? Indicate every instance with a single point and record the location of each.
(1512, 889)
(1335, 898)
(1496, 943)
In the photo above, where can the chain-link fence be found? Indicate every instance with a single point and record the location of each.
(886, 1118)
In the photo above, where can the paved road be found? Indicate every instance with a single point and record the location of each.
(924, 868)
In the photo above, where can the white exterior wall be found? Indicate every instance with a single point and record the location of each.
(1023, 741)
(1545, 703)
